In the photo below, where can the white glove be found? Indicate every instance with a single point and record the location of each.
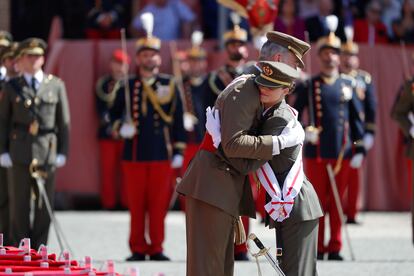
(368, 141)
(5, 160)
(412, 132)
(177, 161)
(127, 130)
(60, 160)
(213, 125)
(356, 161)
(292, 135)
(311, 135)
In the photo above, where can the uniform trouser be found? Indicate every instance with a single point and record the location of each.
(354, 188)
(149, 190)
(21, 185)
(318, 175)
(299, 247)
(4, 206)
(189, 153)
(210, 240)
(111, 184)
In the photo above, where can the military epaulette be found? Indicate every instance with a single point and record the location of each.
(107, 96)
(238, 82)
(349, 78)
(367, 76)
(212, 83)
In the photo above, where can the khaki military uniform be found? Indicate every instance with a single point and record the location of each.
(4, 198)
(400, 111)
(216, 194)
(33, 125)
(298, 234)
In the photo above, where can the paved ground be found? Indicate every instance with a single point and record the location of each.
(382, 244)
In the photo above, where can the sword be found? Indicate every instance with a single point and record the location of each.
(40, 177)
(265, 251)
(338, 204)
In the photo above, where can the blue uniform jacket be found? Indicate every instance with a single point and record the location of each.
(194, 94)
(104, 100)
(157, 114)
(335, 114)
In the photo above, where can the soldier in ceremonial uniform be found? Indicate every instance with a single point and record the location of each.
(236, 49)
(34, 128)
(403, 113)
(334, 127)
(154, 144)
(292, 205)
(110, 144)
(5, 42)
(215, 193)
(194, 118)
(366, 104)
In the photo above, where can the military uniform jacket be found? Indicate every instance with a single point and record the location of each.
(365, 99)
(402, 107)
(216, 81)
(20, 106)
(105, 99)
(307, 206)
(194, 90)
(335, 114)
(210, 177)
(157, 114)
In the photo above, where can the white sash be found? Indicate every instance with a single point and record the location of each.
(281, 203)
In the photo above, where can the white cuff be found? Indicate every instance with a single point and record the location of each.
(276, 149)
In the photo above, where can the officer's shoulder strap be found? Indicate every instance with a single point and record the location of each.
(239, 82)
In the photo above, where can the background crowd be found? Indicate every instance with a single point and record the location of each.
(375, 21)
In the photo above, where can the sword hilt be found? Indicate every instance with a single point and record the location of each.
(35, 172)
(256, 240)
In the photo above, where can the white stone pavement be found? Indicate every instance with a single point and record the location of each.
(382, 244)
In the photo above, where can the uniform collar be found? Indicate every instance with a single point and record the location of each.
(39, 76)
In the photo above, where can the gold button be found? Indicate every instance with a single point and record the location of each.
(318, 98)
(319, 114)
(27, 103)
(318, 106)
(37, 100)
(317, 91)
(135, 107)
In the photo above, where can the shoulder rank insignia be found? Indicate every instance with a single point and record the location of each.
(238, 82)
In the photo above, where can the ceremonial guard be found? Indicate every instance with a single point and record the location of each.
(152, 114)
(34, 129)
(194, 116)
(5, 42)
(110, 144)
(333, 128)
(237, 53)
(366, 104)
(403, 113)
